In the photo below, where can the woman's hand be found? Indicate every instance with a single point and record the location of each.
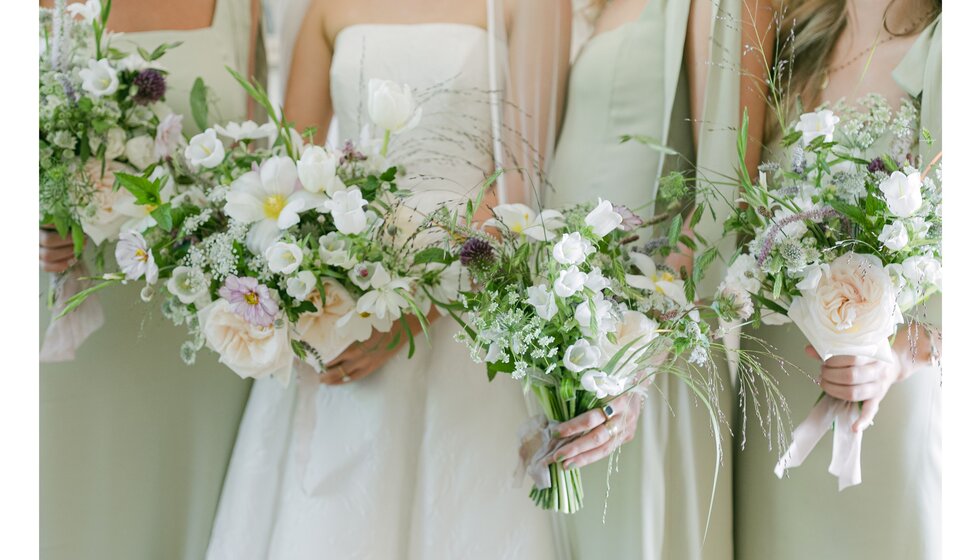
(57, 253)
(598, 436)
(859, 379)
(362, 359)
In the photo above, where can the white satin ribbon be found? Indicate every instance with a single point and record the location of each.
(537, 446)
(845, 461)
(66, 334)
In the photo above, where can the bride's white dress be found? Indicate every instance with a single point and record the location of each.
(416, 461)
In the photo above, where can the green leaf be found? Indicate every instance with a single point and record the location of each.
(145, 191)
(199, 103)
(162, 49)
(145, 54)
(411, 337)
(856, 215)
(81, 296)
(674, 235)
(434, 255)
(702, 262)
(162, 214)
(696, 216)
(777, 285)
(649, 142)
(78, 238)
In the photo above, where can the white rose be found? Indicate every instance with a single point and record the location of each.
(189, 284)
(320, 329)
(923, 271)
(249, 350)
(392, 106)
(635, 330)
(284, 258)
(851, 311)
(570, 281)
(602, 384)
(205, 150)
(894, 236)
(318, 171)
(572, 249)
(140, 151)
(115, 143)
(903, 193)
(346, 207)
(110, 208)
(334, 250)
(543, 301)
(603, 218)
(815, 125)
(300, 286)
(99, 78)
(581, 356)
(604, 317)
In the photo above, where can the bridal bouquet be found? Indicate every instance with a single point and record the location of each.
(568, 309)
(294, 250)
(842, 241)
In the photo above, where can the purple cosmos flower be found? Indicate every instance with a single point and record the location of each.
(251, 300)
(150, 86)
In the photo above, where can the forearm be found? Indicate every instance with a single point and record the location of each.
(917, 345)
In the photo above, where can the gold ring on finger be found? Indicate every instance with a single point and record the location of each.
(608, 411)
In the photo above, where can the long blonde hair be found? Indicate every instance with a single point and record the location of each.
(807, 33)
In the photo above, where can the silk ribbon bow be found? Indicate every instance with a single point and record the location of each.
(66, 334)
(538, 444)
(845, 461)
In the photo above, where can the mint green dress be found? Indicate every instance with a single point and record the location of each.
(133, 442)
(631, 80)
(895, 512)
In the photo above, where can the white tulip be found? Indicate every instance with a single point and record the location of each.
(140, 151)
(571, 249)
(543, 301)
(99, 78)
(392, 106)
(284, 258)
(817, 124)
(570, 281)
(603, 218)
(894, 236)
(300, 286)
(346, 207)
(903, 193)
(318, 171)
(205, 150)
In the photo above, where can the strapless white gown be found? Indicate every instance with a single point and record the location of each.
(415, 461)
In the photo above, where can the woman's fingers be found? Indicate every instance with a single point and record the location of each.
(51, 239)
(812, 352)
(597, 437)
(581, 423)
(851, 375)
(852, 393)
(57, 267)
(869, 409)
(57, 254)
(595, 454)
(848, 361)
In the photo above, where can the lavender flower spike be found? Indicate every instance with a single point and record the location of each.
(251, 300)
(814, 214)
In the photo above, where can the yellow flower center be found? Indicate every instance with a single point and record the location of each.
(141, 255)
(273, 205)
(662, 277)
(252, 298)
(364, 315)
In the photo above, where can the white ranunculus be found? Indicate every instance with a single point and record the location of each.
(284, 258)
(392, 106)
(602, 384)
(300, 286)
(572, 250)
(923, 271)
(652, 279)
(248, 130)
(346, 207)
(581, 356)
(135, 258)
(596, 282)
(522, 220)
(605, 319)
(543, 301)
(189, 284)
(110, 209)
(851, 311)
(115, 143)
(903, 193)
(570, 281)
(817, 124)
(635, 330)
(334, 250)
(249, 350)
(894, 236)
(318, 171)
(321, 330)
(205, 150)
(88, 11)
(169, 135)
(99, 78)
(140, 151)
(270, 199)
(603, 218)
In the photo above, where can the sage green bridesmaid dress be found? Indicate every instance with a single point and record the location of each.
(631, 80)
(133, 442)
(895, 512)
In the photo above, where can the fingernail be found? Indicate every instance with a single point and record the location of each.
(559, 458)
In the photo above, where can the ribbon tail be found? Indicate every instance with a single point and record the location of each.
(65, 335)
(807, 435)
(537, 446)
(845, 462)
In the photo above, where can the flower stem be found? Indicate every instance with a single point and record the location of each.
(384, 143)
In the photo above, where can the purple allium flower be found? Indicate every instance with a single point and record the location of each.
(876, 165)
(251, 300)
(631, 220)
(349, 153)
(476, 253)
(150, 86)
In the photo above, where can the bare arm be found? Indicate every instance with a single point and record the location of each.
(758, 31)
(697, 50)
(308, 101)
